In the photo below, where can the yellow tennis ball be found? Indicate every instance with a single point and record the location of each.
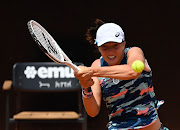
(138, 66)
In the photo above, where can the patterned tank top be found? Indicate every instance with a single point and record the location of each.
(131, 103)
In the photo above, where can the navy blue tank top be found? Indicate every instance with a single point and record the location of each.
(131, 103)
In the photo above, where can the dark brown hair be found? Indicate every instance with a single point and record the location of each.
(91, 32)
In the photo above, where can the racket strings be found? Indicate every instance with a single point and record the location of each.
(39, 34)
(47, 43)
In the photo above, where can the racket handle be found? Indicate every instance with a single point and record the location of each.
(73, 66)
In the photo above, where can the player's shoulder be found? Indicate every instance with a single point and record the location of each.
(134, 49)
(96, 63)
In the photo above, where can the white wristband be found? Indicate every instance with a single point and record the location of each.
(87, 92)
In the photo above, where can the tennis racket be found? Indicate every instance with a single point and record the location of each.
(48, 45)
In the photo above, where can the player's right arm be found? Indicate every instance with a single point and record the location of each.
(92, 104)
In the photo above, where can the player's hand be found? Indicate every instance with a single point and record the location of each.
(84, 75)
(86, 83)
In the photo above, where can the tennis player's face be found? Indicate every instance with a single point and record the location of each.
(112, 52)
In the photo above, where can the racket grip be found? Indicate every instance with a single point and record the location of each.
(73, 66)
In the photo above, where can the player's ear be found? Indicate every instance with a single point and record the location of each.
(124, 44)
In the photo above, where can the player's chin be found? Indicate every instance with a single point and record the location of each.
(112, 60)
(111, 63)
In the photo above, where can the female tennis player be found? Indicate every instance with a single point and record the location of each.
(129, 95)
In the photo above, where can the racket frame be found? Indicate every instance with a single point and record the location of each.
(68, 62)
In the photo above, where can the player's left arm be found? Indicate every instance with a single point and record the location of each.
(136, 53)
(122, 72)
